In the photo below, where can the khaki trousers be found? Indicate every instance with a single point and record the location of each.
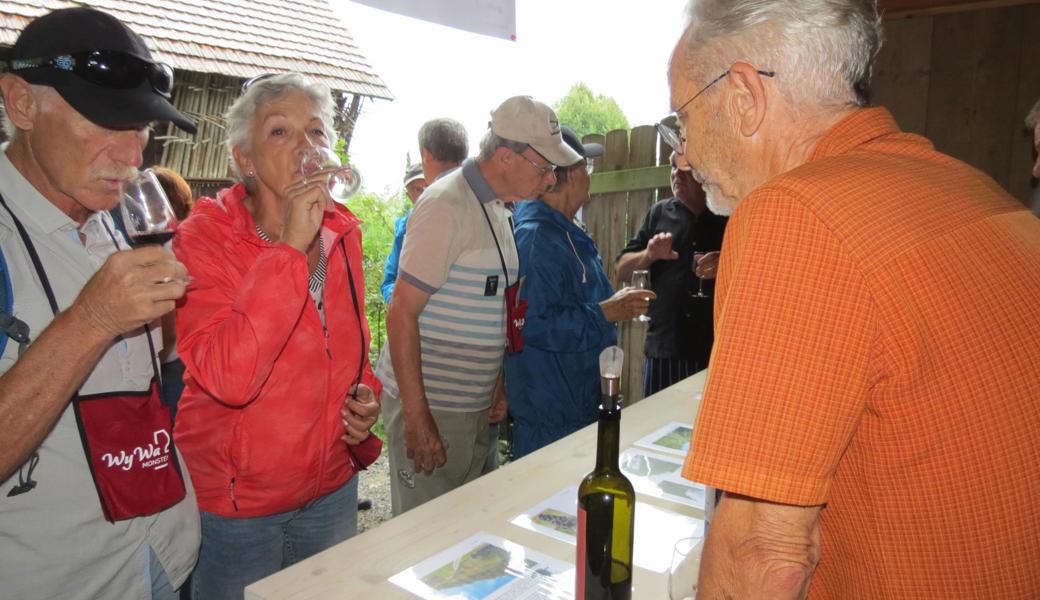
(465, 438)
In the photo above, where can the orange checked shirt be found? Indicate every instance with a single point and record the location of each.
(878, 320)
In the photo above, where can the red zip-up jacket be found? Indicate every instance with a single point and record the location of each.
(259, 423)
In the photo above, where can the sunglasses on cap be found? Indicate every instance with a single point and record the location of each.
(106, 68)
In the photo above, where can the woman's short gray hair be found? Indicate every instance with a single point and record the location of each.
(240, 114)
(821, 50)
(491, 142)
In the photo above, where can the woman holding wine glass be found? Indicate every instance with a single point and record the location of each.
(279, 397)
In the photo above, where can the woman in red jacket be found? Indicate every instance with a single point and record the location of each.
(279, 397)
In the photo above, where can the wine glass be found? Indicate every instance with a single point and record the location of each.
(641, 281)
(685, 567)
(700, 280)
(148, 217)
(322, 161)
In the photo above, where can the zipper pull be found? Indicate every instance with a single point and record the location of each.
(325, 330)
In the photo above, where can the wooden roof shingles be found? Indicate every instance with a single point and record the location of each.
(237, 38)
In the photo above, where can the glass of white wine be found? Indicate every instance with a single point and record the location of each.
(321, 161)
(700, 280)
(641, 281)
(685, 568)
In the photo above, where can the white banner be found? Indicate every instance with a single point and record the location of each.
(495, 18)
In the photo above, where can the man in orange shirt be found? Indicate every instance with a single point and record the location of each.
(873, 407)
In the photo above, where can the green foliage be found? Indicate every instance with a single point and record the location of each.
(377, 216)
(586, 113)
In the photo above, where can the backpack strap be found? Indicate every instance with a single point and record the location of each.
(10, 327)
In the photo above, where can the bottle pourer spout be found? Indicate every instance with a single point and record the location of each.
(611, 361)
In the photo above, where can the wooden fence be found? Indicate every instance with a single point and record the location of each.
(627, 180)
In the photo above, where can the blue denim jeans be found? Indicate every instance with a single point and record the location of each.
(238, 552)
(155, 576)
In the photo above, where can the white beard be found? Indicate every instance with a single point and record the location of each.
(719, 204)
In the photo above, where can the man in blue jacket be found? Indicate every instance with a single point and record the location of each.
(553, 383)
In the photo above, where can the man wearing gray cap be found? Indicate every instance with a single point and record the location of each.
(447, 321)
(94, 501)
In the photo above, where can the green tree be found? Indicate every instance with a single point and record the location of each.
(586, 113)
(377, 215)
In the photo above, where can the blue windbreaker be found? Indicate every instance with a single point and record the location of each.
(553, 384)
(392, 260)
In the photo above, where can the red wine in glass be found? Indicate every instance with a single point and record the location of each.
(159, 239)
(148, 216)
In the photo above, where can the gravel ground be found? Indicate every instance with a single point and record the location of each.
(375, 486)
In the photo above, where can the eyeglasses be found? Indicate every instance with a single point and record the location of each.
(249, 82)
(107, 68)
(673, 136)
(543, 170)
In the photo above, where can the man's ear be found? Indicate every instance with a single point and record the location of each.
(504, 156)
(749, 99)
(20, 103)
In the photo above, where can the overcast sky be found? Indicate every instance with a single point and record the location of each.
(619, 48)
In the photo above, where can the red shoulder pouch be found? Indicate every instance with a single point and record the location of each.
(128, 441)
(516, 312)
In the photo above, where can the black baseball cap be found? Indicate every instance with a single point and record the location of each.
(591, 150)
(99, 66)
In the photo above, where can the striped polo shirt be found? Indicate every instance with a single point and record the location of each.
(451, 254)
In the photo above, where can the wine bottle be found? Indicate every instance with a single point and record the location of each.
(606, 502)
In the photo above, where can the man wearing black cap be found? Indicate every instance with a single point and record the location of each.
(553, 384)
(94, 502)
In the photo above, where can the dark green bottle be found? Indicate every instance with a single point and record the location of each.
(606, 502)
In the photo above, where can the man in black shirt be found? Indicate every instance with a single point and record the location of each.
(679, 339)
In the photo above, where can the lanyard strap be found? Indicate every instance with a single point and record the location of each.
(41, 273)
(498, 247)
(31, 249)
(357, 312)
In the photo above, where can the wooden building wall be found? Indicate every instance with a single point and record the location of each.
(966, 80)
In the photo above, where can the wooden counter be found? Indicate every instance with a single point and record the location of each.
(361, 566)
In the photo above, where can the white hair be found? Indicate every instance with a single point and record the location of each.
(492, 141)
(1033, 118)
(821, 50)
(10, 131)
(240, 114)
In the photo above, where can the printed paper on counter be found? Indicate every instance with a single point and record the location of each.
(673, 438)
(657, 529)
(487, 566)
(556, 517)
(659, 476)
